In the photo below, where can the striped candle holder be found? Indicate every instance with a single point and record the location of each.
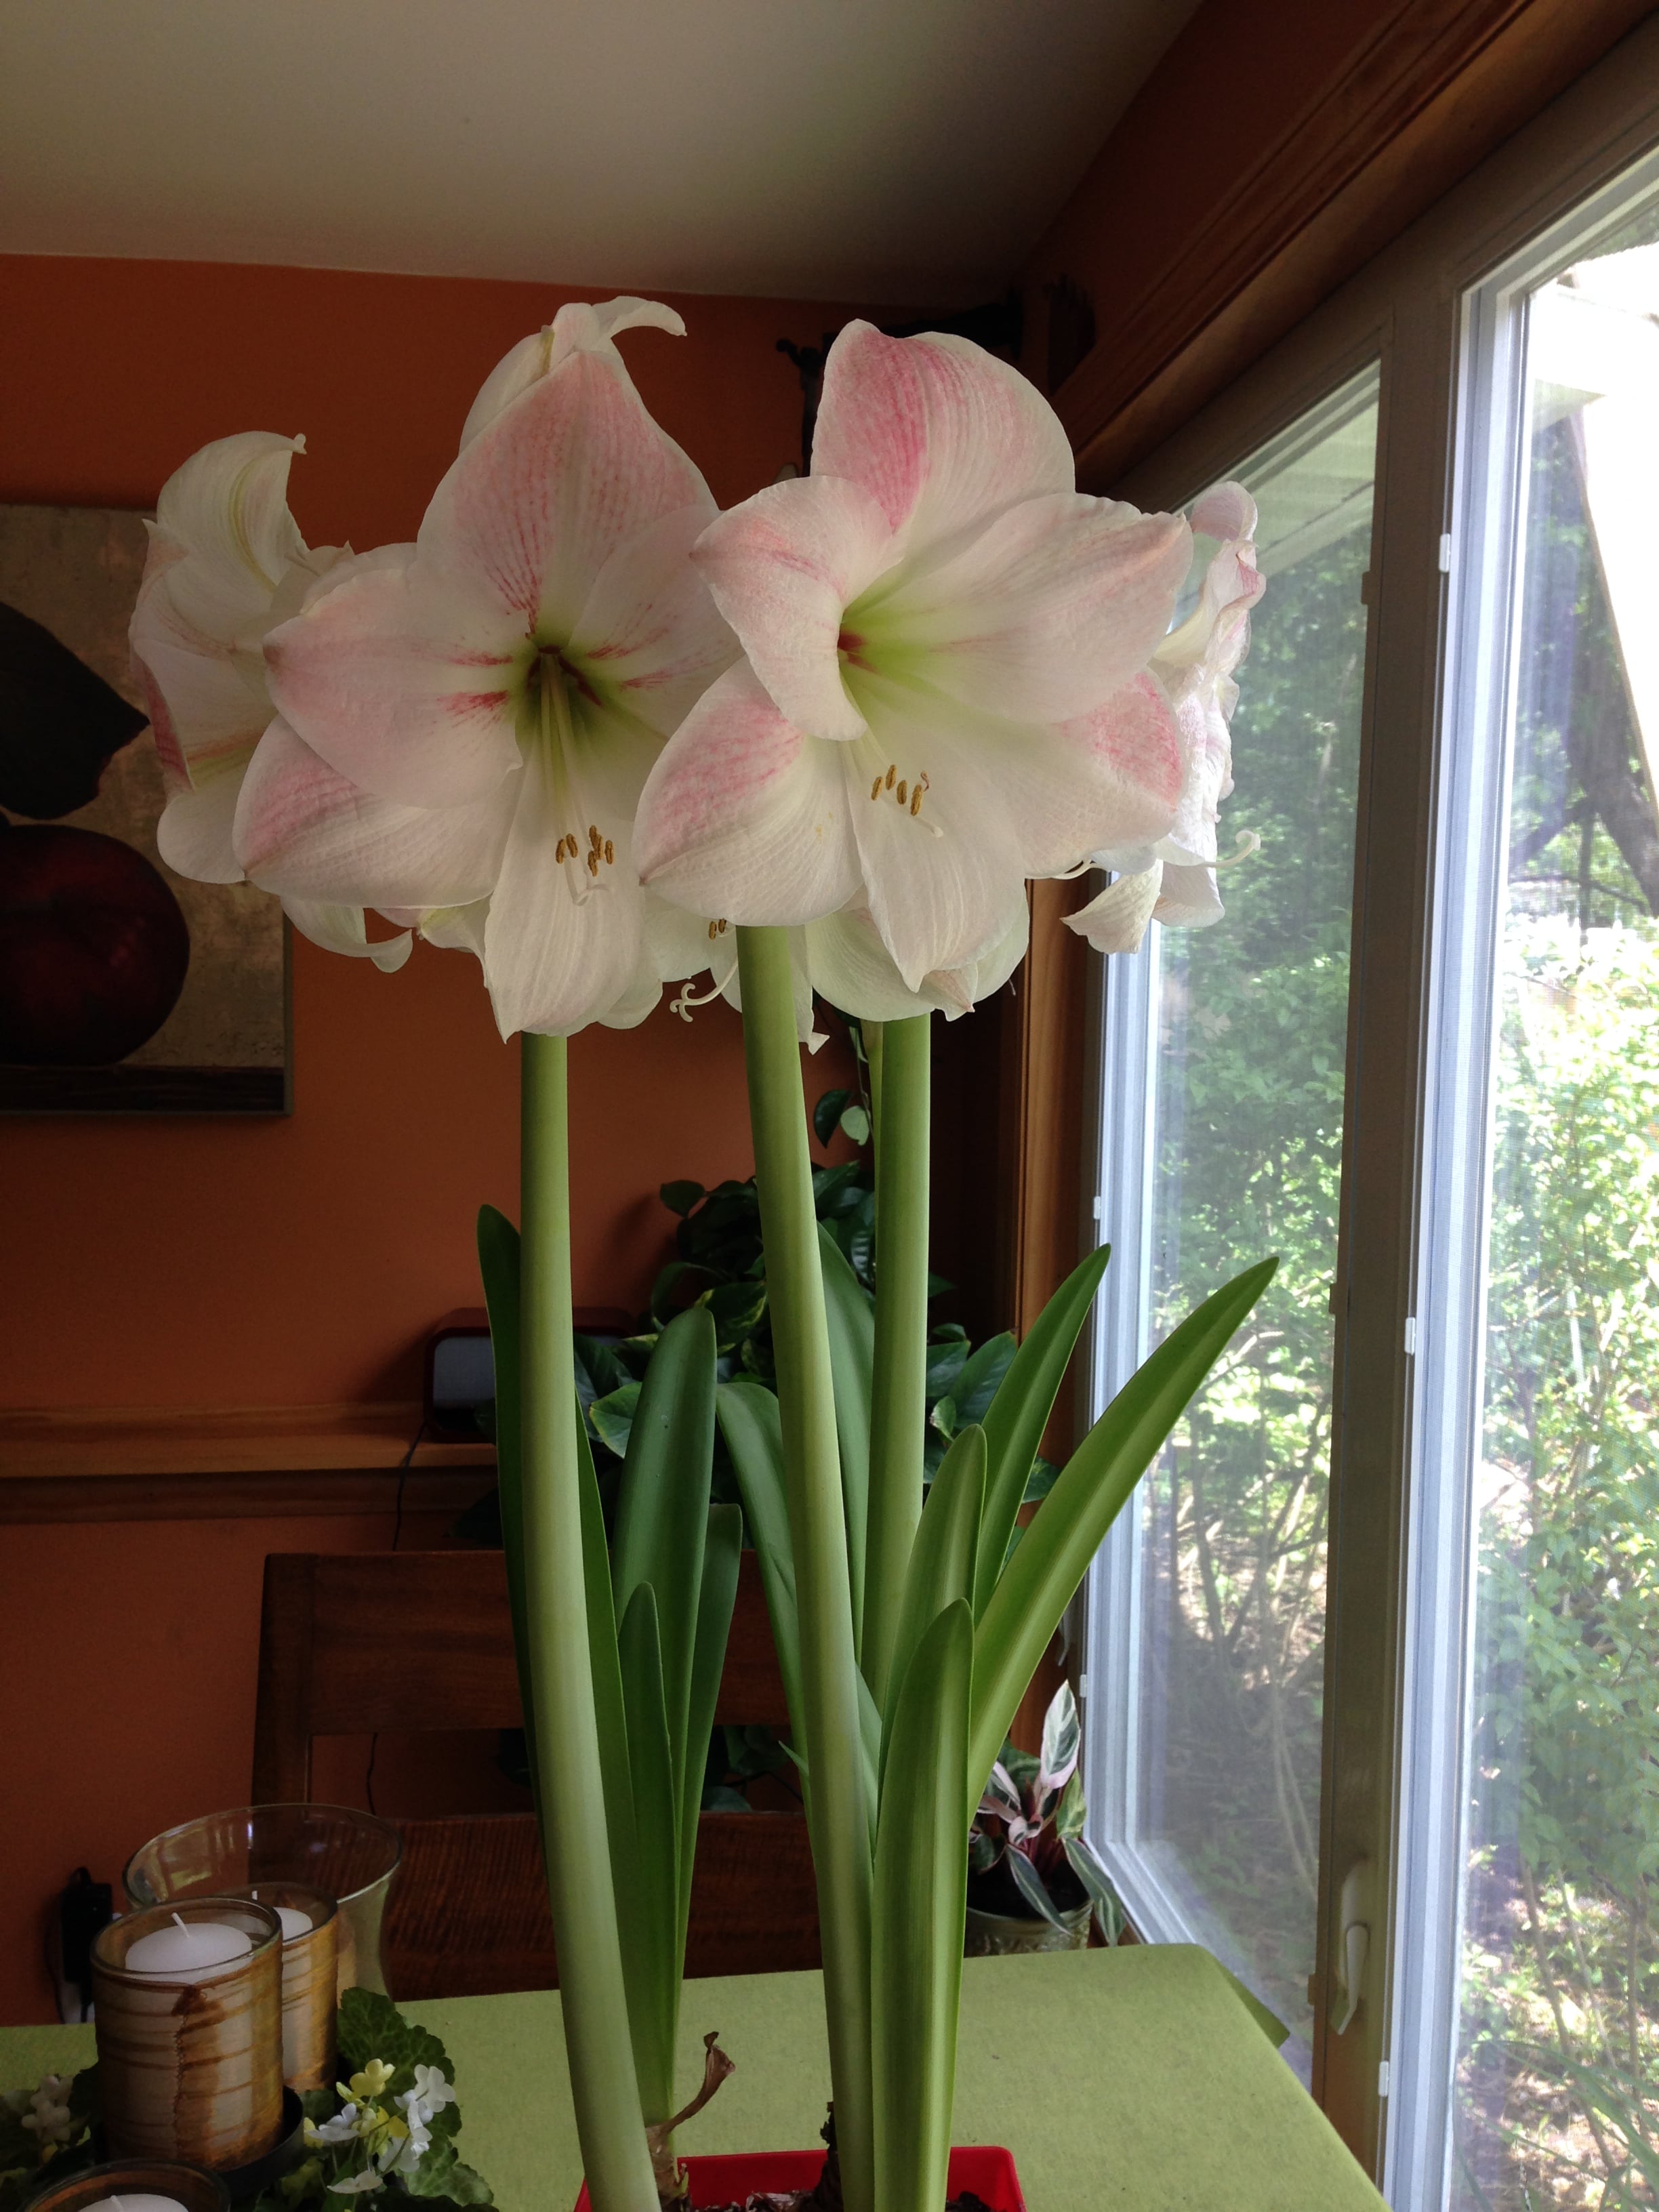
(191, 2188)
(310, 1961)
(189, 2060)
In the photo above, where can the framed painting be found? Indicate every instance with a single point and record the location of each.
(123, 989)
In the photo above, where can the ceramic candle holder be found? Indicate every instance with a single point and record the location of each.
(190, 2061)
(191, 2187)
(310, 1964)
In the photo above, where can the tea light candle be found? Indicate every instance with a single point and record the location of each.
(192, 1952)
(294, 1923)
(135, 2203)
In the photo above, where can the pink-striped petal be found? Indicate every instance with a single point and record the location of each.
(649, 640)
(576, 328)
(1043, 613)
(940, 433)
(783, 567)
(304, 830)
(742, 819)
(404, 681)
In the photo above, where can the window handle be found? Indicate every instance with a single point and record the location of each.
(1352, 1944)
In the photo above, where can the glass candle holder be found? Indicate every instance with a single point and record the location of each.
(311, 1929)
(347, 1855)
(189, 2045)
(143, 2184)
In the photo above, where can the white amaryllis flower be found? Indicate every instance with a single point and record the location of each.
(472, 718)
(225, 564)
(939, 631)
(1172, 880)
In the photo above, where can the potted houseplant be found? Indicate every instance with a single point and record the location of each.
(1034, 1879)
(602, 738)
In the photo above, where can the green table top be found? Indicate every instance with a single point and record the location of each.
(1132, 2079)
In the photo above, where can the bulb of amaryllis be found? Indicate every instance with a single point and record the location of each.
(939, 696)
(225, 564)
(472, 717)
(1173, 880)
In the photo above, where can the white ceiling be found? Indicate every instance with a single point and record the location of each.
(892, 150)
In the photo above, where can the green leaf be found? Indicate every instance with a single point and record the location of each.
(721, 1551)
(662, 1507)
(1030, 1884)
(827, 1113)
(855, 1124)
(681, 1197)
(649, 1915)
(441, 2175)
(852, 1358)
(1036, 1586)
(980, 1377)
(371, 2027)
(941, 1566)
(1019, 1412)
(751, 1429)
(612, 1417)
(920, 1893)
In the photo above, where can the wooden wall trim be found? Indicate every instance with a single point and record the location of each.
(1439, 86)
(1042, 1176)
(312, 1493)
(36, 1441)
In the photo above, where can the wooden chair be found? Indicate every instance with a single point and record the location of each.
(418, 1641)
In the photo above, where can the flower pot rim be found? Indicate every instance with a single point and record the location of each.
(987, 2169)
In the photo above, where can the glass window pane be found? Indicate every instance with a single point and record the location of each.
(1557, 2039)
(1247, 1074)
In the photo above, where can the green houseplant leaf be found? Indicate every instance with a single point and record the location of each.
(941, 1559)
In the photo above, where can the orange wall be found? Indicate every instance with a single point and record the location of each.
(217, 1262)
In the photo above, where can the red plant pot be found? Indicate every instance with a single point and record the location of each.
(729, 2179)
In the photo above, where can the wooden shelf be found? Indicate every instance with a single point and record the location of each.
(147, 1463)
(221, 1440)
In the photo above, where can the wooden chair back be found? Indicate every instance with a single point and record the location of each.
(423, 1641)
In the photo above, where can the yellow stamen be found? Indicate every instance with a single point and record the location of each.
(593, 864)
(916, 800)
(594, 838)
(875, 788)
(558, 851)
(610, 853)
(892, 770)
(903, 793)
(720, 926)
(714, 931)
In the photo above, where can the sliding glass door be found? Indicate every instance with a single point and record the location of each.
(1223, 1124)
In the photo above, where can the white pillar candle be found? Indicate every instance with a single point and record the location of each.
(137, 2203)
(189, 1951)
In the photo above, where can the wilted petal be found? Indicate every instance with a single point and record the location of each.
(308, 832)
(340, 929)
(941, 434)
(194, 834)
(650, 638)
(1045, 612)
(1116, 921)
(577, 327)
(743, 817)
(403, 681)
(783, 567)
(1189, 898)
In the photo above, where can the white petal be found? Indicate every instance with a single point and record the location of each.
(1116, 921)
(194, 834)
(576, 327)
(1189, 899)
(561, 946)
(783, 569)
(1044, 612)
(745, 819)
(340, 929)
(227, 507)
(940, 432)
(650, 639)
(308, 832)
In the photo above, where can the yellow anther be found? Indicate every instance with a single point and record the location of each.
(892, 770)
(593, 864)
(720, 926)
(875, 788)
(714, 931)
(610, 853)
(916, 800)
(558, 851)
(903, 793)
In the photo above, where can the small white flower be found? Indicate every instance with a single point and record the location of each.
(355, 2184)
(339, 2129)
(431, 2093)
(49, 2117)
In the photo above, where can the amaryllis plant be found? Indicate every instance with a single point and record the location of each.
(604, 737)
